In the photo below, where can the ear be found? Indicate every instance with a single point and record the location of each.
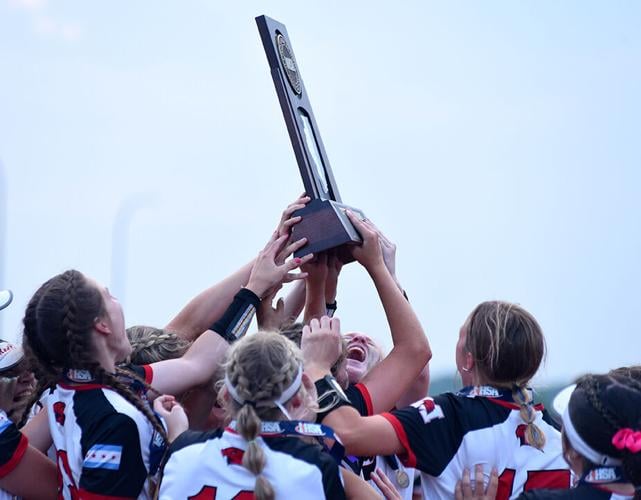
(469, 362)
(102, 326)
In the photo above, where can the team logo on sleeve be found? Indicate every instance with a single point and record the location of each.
(234, 456)
(103, 456)
(428, 410)
(59, 412)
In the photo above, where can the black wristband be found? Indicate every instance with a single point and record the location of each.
(236, 320)
(329, 398)
(330, 309)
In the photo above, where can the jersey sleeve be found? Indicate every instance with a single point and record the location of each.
(144, 372)
(13, 445)
(360, 399)
(113, 465)
(430, 433)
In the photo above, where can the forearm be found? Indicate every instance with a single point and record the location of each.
(295, 300)
(37, 431)
(314, 300)
(209, 305)
(197, 366)
(363, 436)
(417, 390)
(406, 330)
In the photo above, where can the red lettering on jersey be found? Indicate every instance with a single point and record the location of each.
(506, 482)
(59, 412)
(205, 493)
(520, 433)
(234, 456)
(244, 495)
(209, 493)
(549, 479)
(63, 465)
(429, 405)
(536, 479)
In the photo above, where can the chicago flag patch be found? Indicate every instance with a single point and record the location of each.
(103, 456)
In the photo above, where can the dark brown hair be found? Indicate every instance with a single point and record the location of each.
(601, 405)
(57, 336)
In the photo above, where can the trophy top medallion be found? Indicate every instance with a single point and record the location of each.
(289, 64)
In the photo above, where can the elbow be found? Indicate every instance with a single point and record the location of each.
(350, 440)
(422, 351)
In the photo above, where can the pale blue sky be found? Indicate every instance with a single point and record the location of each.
(497, 143)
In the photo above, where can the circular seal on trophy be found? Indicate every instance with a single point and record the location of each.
(288, 63)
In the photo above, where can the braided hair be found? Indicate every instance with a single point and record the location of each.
(602, 405)
(508, 346)
(57, 336)
(150, 345)
(260, 368)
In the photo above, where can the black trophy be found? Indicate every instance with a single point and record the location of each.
(324, 222)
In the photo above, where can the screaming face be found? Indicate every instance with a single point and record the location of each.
(362, 354)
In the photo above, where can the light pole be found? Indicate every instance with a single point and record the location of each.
(120, 240)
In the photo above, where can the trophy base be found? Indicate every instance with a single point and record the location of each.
(325, 225)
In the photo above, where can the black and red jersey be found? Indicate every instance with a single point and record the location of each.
(13, 445)
(105, 447)
(444, 435)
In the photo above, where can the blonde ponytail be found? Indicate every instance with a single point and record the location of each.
(534, 436)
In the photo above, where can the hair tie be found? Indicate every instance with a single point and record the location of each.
(627, 439)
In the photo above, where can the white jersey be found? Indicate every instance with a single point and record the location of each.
(105, 447)
(209, 465)
(444, 435)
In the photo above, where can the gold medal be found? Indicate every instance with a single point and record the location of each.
(402, 479)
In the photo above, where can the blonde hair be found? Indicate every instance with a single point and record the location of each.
(260, 368)
(150, 345)
(508, 346)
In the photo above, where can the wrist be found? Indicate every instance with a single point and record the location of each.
(256, 288)
(316, 371)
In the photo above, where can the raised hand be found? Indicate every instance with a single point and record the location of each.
(286, 220)
(269, 272)
(321, 345)
(369, 254)
(270, 317)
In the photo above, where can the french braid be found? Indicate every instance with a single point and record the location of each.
(260, 367)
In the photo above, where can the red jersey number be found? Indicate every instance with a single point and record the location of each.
(209, 493)
(552, 479)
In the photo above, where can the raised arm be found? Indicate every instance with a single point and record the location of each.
(361, 436)
(209, 305)
(198, 364)
(411, 350)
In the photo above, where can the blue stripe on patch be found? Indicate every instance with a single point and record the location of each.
(103, 456)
